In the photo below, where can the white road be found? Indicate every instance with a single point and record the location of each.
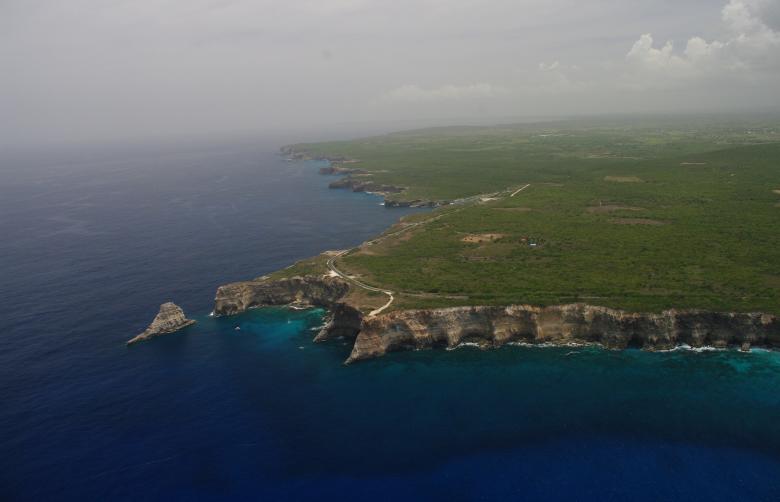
(332, 265)
(520, 190)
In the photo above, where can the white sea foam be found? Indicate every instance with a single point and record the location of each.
(465, 344)
(686, 347)
(550, 345)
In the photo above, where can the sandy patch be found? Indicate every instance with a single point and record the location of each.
(479, 238)
(776, 191)
(636, 221)
(623, 179)
(609, 208)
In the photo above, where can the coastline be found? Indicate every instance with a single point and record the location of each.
(375, 333)
(358, 180)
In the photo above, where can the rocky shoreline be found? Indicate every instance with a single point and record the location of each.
(486, 326)
(491, 326)
(360, 183)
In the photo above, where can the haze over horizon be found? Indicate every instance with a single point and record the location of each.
(85, 70)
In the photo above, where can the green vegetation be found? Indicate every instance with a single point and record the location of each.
(641, 217)
(310, 266)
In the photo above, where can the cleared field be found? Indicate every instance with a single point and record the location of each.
(701, 229)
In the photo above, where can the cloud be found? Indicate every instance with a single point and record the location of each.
(448, 92)
(750, 44)
(86, 70)
(644, 54)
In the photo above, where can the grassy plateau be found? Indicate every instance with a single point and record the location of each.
(643, 215)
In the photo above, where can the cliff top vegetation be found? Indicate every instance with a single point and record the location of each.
(647, 215)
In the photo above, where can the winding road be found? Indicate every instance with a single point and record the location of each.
(331, 263)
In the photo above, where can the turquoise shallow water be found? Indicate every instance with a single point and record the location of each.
(260, 412)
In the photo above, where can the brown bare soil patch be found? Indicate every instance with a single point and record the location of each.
(609, 208)
(479, 238)
(636, 221)
(623, 179)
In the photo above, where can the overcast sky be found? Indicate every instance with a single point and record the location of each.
(80, 70)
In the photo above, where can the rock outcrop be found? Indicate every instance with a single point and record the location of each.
(294, 153)
(358, 185)
(171, 318)
(336, 169)
(560, 325)
(310, 290)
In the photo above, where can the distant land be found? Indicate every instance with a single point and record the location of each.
(652, 233)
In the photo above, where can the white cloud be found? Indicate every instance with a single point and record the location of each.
(646, 55)
(444, 93)
(750, 44)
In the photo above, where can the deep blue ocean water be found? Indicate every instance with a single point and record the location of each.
(93, 242)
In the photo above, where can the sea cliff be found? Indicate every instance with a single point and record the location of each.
(493, 326)
(562, 325)
(312, 291)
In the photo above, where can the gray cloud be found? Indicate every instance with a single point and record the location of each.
(95, 70)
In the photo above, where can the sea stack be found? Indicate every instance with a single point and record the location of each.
(171, 318)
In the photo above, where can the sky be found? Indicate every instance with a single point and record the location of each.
(100, 70)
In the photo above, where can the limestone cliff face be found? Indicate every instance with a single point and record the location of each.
(563, 324)
(345, 322)
(318, 291)
(170, 319)
(496, 326)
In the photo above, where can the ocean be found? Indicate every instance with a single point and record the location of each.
(247, 407)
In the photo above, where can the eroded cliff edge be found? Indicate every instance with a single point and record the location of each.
(490, 326)
(344, 320)
(561, 325)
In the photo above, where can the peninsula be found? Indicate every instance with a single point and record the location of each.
(651, 234)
